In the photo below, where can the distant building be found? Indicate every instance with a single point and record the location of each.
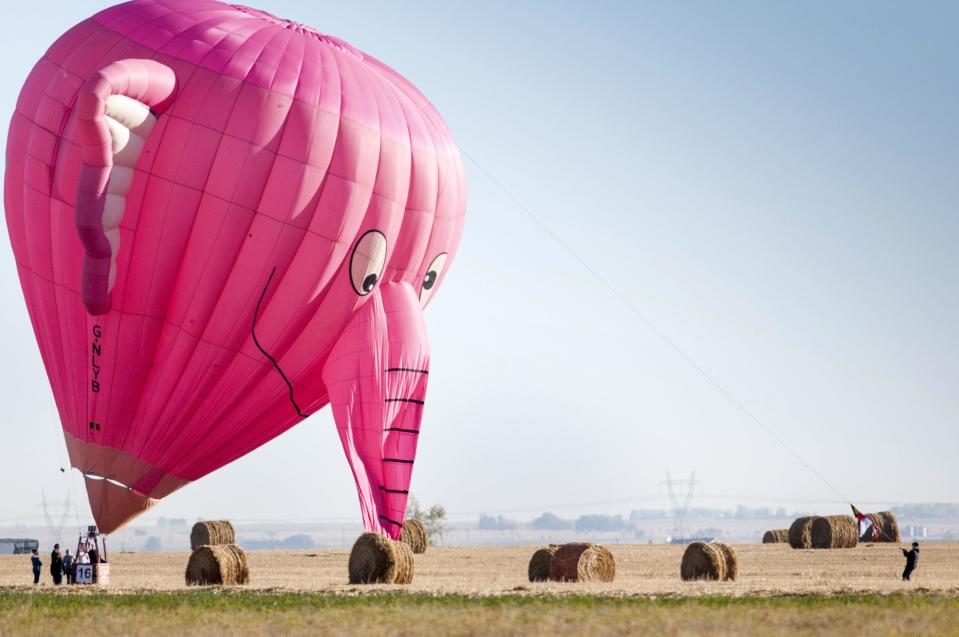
(914, 531)
(17, 546)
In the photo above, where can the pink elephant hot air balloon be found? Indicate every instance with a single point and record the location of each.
(223, 221)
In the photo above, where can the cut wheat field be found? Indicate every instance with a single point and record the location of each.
(770, 569)
(484, 591)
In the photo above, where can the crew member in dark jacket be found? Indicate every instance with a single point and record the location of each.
(56, 565)
(912, 561)
(68, 567)
(37, 566)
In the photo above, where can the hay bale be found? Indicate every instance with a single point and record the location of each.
(776, 536)
(414, 534)
(376, 559)
(835, 532)
(539, 563)
(703, 561)
(887, 525)
(219, 564)
(730, 559)
(403, 574)
(800, 533)
(211, 532)
(582, 562)
(890, 526)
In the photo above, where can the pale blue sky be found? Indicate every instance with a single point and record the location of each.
(775, 186)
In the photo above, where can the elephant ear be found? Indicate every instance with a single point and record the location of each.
(115, 113)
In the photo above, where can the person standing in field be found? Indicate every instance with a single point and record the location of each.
(912, 561)
(37, 566)
(56, 565)
(68, 566)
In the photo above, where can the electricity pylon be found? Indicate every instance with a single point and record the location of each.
(680, 508)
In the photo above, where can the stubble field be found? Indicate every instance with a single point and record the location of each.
(780, 591)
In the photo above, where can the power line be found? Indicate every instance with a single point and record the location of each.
(642, 317)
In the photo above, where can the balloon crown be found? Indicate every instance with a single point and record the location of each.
(299, 27)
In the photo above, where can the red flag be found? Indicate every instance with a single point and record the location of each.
(864, 522)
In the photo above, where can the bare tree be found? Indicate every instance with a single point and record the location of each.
(433, 519)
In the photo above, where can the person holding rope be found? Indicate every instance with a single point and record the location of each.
(912, 561)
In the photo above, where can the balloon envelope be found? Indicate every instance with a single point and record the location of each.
(223, 221)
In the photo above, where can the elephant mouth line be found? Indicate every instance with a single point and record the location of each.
(256, 341)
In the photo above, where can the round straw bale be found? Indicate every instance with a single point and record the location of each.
(539, 563)
(403, 573)
(376, 559)
(414, 534)
(220, 564)
(207, 533)
(887, 528)
(703, 561)
(729, 559)
(835, 532)
(582, 562)
(800, 533)
(890, 526)
(776, 536)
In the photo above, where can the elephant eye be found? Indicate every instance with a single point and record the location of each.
(367, 261)
(432, 275)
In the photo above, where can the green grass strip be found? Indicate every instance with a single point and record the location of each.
(226, 600)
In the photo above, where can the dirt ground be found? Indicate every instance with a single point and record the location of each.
(647, 570)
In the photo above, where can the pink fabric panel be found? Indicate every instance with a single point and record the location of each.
(277, 148)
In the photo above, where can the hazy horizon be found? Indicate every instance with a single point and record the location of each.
(773, 186)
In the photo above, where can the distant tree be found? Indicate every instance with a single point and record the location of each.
(435, 523)
(433, 519)
(413, 510)
(153, 544)
(600, 523)
(496, 523)
(550, 522)
(926, 510)
(648, 514)
(298, 541)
